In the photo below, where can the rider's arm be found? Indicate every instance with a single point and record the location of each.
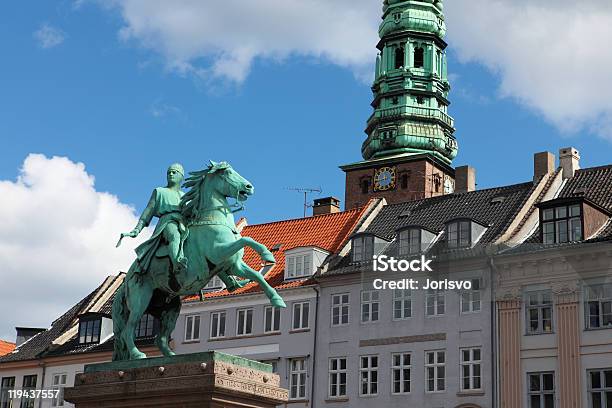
(147, 214)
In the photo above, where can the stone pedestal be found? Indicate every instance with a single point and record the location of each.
(204, 380)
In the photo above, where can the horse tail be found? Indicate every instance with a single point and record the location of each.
(120, 316)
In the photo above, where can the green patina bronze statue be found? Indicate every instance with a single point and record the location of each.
(194, 240)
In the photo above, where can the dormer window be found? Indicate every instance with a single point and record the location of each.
(214, 284)
(147, 327)
(463, 233)
(89, 331)
(414, 240)
(363, 248)
(561, 224)
(303, 262)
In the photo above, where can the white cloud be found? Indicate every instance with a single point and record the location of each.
(160, 109)
(48, 36)
(220, 39)
(549, 56)
(57, 241)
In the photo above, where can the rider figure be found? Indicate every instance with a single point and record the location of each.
(164, 204)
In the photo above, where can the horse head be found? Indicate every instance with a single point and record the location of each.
(228, 182)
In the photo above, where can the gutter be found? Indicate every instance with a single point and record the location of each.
(42, 381)
(314, 349)
(494, 338)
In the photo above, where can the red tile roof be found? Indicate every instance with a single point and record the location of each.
(6, 347)
(327, 232)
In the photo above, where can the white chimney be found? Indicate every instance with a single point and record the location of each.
(569, 160)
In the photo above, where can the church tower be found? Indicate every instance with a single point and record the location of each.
(410, 140)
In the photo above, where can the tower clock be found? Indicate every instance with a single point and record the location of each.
(384, 179)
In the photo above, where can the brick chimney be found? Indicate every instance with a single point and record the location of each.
(569, 161)
(465, 179)
(327, 205)
(543, 163)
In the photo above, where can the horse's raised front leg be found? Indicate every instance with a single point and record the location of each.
(225, 250)
(244, 271)
(167, 322)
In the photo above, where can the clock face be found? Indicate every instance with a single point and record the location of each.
(384, 179)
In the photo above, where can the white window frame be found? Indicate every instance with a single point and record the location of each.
(471, 300)
(439, 302)
(603, 387)
(245, 320)
(58, 382)
(470, 366)
(603, 302)
(275, 318)
(214, 284)
(401, 370)
(367, 372)
(543, 301)
(218, 334)
(435, 366)
(191, 334)
(299, 265)
(298, 372)
(401, 298)
(541, 392)
(304, 316)
(337, 377)
(27, 402)
(370, 306)
(341, 306)
(5, 388)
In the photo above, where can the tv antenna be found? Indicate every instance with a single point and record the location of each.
(305, 191)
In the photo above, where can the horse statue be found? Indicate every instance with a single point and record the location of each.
(211, 246)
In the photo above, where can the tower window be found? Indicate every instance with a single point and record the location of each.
(365, 186)
(420, 100)
(395, 100)
(404, 181)
(419, 57)
(399, 57)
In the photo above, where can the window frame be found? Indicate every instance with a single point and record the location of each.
(221, 315)
(460, 241)
(541, 392)
(372, 305)
(291, 270)
(193, 318)
(341, 306)
(436, 365)
(556, 220)
(406, 296)
(406, 245)
(470, 364)
(540, 307)
(303, 319)
(366, 248)
(247, 311)
(27, 402)
(602, 390)
(96, 330)
(299, 373)
(58, 401)
(6, 384)
(401, 368)
(436, 294)
(275, 317)
(470, 301)
(369, 370)
(337, 374)
(601, 302)
(150, 326)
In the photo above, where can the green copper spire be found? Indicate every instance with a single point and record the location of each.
(411, 84)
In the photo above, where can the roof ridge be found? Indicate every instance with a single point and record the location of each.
(603, 167)
(307, 218)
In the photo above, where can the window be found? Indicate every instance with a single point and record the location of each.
(470, 369)
(192, 328)
(410, 241)
(600, 388)
(561, 224)
(404, 181)
(337, 377)
(541, 390)
(435, 372)
(368, 370)
(369, 306)
(299, 266)
(8, 383)
(458, 234)
(271, 319)
(340, 309)
(434, 303)
(599, 306)
(29, 384)
(89, 331)
(273, 363)
(297, 378)
(539, 312)
(419, 57)
(214, 284)
(147, 326)
(217, 325)
(420, 100)
(470, 299)
(301, 316)
(365, 186)
(399, 57)
(59, 383)
(245, 322)
(363, 248)
(395, 100)
(400, 373)
(402, 304)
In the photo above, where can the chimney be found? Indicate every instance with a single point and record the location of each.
(569, 161)
(543, 163)
(327, 205)
(465, 179)
(26, 333)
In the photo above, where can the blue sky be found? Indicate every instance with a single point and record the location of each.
(127, 87)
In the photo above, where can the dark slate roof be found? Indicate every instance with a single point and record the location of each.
(494, 208)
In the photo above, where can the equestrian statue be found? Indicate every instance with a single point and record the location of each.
(194, 240)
